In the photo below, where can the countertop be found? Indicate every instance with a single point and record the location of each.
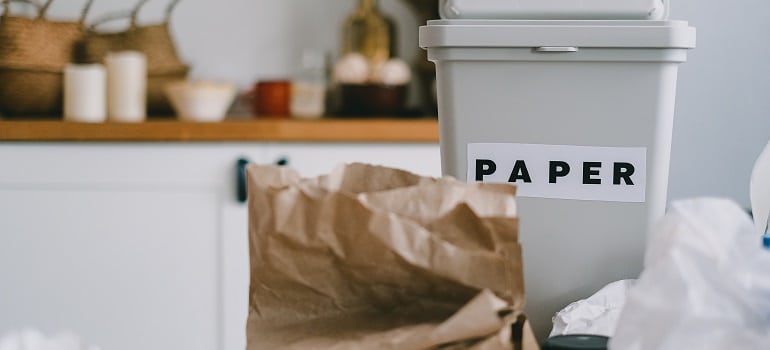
(424, 130)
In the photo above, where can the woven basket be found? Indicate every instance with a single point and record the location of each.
(33, 54)
(163, 63)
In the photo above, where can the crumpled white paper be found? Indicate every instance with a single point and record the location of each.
(596, 315)
(706, 283)
(35, 340)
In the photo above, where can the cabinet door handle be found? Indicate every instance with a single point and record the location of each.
(241, 191)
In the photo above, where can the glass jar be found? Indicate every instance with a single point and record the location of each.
(308, 90)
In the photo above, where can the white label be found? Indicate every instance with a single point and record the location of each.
(615, 174)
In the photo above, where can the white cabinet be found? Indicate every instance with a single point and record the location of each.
(118, 265)
(130, 246)
(142, 246)
(312, 159)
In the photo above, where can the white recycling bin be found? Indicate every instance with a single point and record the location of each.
(578, 114)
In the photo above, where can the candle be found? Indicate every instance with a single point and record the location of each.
(126, 86)
(85, 93)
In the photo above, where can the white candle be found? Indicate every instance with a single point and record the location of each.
(126, 86)
(85, 93)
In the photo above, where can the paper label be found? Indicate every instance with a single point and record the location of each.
(615, 174)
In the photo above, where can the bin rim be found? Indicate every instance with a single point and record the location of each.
(577, 33)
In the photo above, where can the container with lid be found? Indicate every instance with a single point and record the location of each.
(578, 114)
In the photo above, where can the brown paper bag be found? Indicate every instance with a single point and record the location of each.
(376, 258)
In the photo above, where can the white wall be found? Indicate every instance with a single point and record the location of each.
(723, 102)
(246, 40)
(723, 107)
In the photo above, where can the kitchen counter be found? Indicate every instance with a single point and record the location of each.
(238, 130)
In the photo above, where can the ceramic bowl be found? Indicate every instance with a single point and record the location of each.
(201, 101)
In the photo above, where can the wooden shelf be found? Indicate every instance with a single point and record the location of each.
(279, 130)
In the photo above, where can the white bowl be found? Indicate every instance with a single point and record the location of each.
(201, 101)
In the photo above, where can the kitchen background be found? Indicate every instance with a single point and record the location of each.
(723, 102)
(161, 219)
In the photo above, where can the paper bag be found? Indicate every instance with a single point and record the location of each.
(376, 258)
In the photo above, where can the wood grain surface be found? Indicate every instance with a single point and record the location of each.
(278, 130)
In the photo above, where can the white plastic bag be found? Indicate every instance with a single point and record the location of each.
(706, 283)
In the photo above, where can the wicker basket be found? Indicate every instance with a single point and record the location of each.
(163, 63)
(33, 54)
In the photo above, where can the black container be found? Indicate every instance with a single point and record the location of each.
(373, 100)
(576, 342)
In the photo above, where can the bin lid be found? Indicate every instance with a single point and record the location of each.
(555, 9)
(541, 33)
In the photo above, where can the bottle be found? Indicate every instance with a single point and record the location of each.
(308, 88)
(369, 33)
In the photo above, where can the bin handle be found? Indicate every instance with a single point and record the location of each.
(556, 49)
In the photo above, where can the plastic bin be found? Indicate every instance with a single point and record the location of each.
(579, 115)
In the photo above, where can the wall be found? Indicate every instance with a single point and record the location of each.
(723, 103)
(723, 107)
(246, 40)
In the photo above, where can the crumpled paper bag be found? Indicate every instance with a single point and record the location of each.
(377, 258)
